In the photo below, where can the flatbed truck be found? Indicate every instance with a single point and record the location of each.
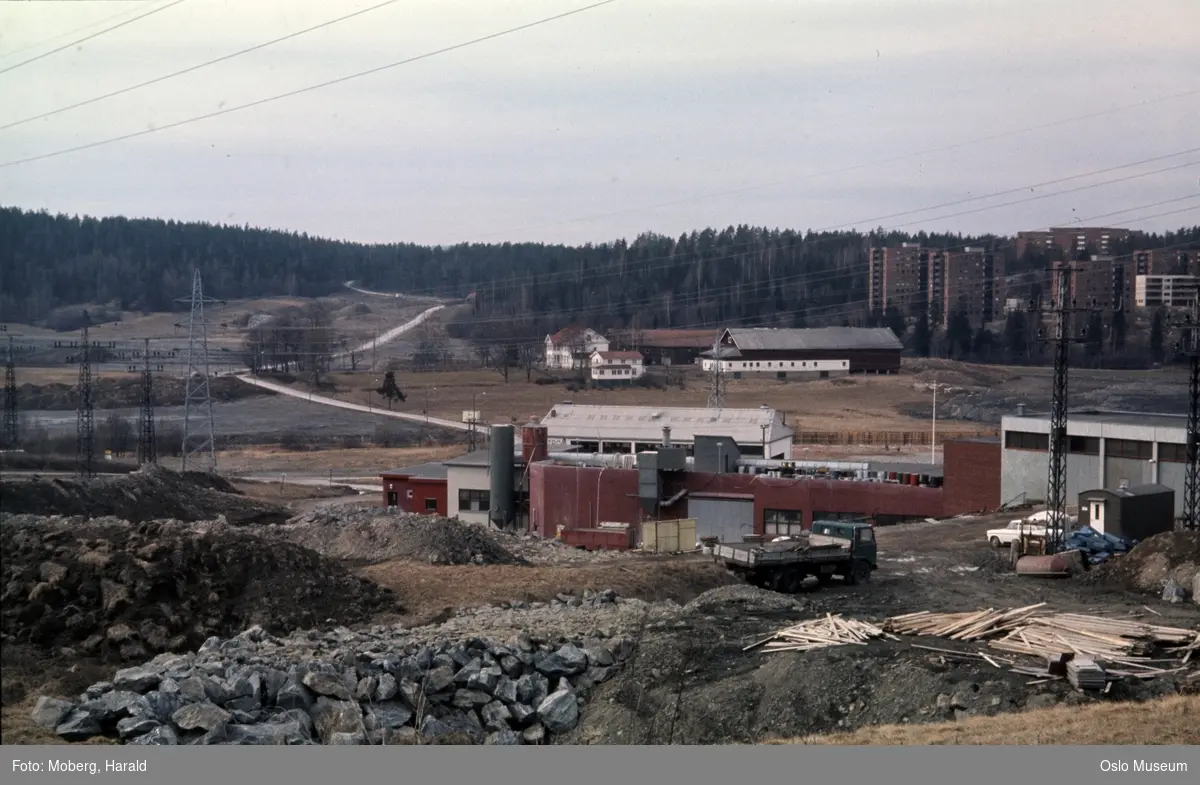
(829, 549)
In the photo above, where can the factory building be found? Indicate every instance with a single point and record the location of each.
(634, 429)
(606, 498)
(1105, 450)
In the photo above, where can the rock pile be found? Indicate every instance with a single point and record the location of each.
(122, 592)
(344, 688)
(367, 533)
(147, 494)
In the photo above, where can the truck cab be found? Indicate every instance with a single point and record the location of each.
(860, 534)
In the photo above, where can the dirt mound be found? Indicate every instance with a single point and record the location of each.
(1153, 562)
(692, 683)
(368, 534)
(750, 599)
(148, 494)
(122, 592)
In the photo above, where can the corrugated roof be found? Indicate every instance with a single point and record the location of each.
(645, 423)
(761, 339)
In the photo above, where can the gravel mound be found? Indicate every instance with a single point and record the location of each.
(369, 534)
(742, 598)
(1153, 562)
(147, 494)
(123, 592)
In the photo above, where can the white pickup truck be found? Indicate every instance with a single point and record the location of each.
(1010, 533)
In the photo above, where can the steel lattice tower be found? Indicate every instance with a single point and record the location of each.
(147, 447)
(85, 425)
(716, 387)
(199, 441)
(1056, 489)
(11, 437)
(1191, 478)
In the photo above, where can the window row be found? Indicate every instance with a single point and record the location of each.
(1090, 445)
(474, 501)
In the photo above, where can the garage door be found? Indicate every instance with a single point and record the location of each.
(727, 519)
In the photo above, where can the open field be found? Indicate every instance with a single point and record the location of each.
(1165, 721)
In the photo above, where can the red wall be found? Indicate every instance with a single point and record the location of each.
(972, 476)
(579, 497)
(422, 488)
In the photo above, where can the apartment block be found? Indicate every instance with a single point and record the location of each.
(1075, 240)
(1165, 291)
(1102, 282)
(972, 282)
(897, 276)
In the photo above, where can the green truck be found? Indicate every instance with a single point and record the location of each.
(829, 549)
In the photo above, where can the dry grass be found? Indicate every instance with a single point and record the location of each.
(1172, 720)
(860, 403)
(67, 374)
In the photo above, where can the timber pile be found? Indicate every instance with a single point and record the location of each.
(1126, 648)
(1085, 674)
(820, 634)
(961, 626)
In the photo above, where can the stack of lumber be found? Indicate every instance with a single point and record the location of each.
(961, 626)
(1085, 674)
(820, 634)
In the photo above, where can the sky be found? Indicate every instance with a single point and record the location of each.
(639, 115)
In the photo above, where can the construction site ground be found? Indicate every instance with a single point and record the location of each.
(690, 680)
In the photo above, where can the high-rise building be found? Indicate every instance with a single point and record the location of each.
(1165, 291)
(1100, 282)
(972, 283)
(898, 276)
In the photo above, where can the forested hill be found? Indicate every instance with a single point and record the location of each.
(49, 262)
(734, 275)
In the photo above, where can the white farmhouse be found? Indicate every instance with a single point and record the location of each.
(617, 366)
(571, 347)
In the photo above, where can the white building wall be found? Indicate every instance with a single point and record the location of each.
(470, 478)
(775, 366)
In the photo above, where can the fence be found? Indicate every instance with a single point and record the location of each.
(885, 438)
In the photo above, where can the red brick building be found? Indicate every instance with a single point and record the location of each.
(416, 489)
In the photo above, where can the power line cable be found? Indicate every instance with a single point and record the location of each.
(859, 166)
(310, 88)
(73, 31)
(190, 69)
(90, 37)
(620, 267)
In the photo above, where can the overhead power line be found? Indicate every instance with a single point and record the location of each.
(73, 31)
(855, 167)
(86, 38)
(310, 88)
(190, 69)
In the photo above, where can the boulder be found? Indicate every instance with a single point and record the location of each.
(392, 736)
(433, 728)
(294, 695)
(136, 726)
(495, 716)
(203, 716)
(192, 689)
(389, 714)
(468, 671)
(51, 712)
(337, 717)
(410, 692)
(438, 679)
(469, 699)
(347, 739)
(532, 688)
(522, 714)
(164, 703)
(117, 704)
(598, 656)
(386, 687)
(1173, 592)
(162, 736)
(511, 666)
(139, 680)
(505, 690)
(485, 679)
(504, 737)
(79, 725)
(567, 661)
(327, 685)
(559, 712)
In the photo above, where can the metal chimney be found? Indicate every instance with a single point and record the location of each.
(1020, 410)
(666, 436)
